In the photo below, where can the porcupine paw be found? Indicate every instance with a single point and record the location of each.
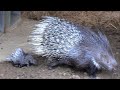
(52, 65)
(19, 65)
(92, 71)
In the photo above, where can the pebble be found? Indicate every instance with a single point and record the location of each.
(91, 78)
(43, 70)
(17, 78)
(117, 52)
(64, 74)
(85, 73)
(86, 77)
(1, 75)
(98, 78)
(75, 77)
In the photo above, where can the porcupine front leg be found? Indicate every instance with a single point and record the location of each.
(18, 64)
(92, 70)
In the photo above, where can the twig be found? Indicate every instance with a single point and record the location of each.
(113, 26)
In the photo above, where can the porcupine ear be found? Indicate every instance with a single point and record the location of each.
(103, 38)
(104, 41)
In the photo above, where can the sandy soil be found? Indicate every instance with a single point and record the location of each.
(18, 38)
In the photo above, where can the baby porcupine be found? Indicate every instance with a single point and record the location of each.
(19, 58)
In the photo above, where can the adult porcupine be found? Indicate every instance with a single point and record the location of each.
(63, 42)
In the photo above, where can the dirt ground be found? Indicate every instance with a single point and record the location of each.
(18, 38)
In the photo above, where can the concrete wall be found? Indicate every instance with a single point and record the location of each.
(8, 18)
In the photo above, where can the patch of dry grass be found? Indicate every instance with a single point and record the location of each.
(107, 19)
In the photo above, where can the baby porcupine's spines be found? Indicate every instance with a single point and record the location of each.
(19, 58)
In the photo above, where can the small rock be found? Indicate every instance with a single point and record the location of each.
(117, 52)
(17, 78)
(75, 77)
(85, 73)
(64, 74)
(98, 78)
(60, 73)
(1, 75)
(43, 70)
(86, 77)
(31, 76)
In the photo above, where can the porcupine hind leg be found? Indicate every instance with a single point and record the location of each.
(52, 63)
